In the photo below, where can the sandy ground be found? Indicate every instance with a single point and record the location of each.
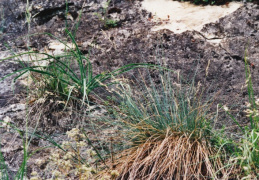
(182, 16)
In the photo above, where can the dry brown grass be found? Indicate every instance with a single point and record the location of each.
(173, 157)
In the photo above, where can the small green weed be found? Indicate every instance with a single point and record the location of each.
(110, 23)
(21, 174)
(103, 17)
(248, 156)
(3, 168)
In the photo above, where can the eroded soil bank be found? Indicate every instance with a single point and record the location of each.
(216, 51)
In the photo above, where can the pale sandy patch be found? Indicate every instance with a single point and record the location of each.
(184, 16)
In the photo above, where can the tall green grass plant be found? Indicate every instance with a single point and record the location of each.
(247, 151)
(58, 75)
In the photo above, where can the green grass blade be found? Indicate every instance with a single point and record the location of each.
(3, 167)
(78, 55)
(8, 75)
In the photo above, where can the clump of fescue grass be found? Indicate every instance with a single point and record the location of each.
(169, 133)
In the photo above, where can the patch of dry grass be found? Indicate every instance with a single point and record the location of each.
(173, 157)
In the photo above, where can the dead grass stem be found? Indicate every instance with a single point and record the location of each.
(174, 157)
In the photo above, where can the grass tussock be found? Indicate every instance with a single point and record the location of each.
(168, 129)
